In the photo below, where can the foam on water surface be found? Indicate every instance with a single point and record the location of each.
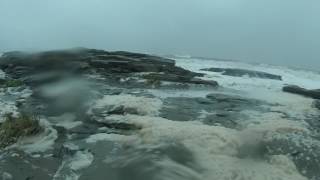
(304, 78)
(108, 137)
(67, 120)
(71, 167)
(2, 74)
(215, 149)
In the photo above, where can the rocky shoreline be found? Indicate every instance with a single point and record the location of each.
(118, 113)
(46, 66)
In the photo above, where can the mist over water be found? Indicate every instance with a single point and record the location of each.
(277, 32)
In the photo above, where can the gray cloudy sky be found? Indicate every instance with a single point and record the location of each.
(270, 31)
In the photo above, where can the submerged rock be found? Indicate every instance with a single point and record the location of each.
(315, 93)
(242, 72)
(216, 109)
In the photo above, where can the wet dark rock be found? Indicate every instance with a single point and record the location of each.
(85, 130)
(314, 93)
(21, 63)
(64, 151)
(304, 155)
(230, 120)
(179, 78)
(101, 118)
(114, 110)
(140, 163)
(42, 78)
(119, 125)
(122, 110)
(108, 123)
(2, 81)
(203, 101)
(242, 72)
(51, 66)
(234, 99)
(316, 104)
(216, 109)
(256, 150)
(22, 166)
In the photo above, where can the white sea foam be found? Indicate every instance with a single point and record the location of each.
(67, 120)
(8, 102)
(108, 137)
(81, 160)
(215, 149)
(304, 78)
(263, 89)
(2, 74)
(7, 107)
(71, 166)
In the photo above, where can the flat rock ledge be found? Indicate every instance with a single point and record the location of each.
(313, 93)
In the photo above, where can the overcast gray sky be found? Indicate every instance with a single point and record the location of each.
(269, 31)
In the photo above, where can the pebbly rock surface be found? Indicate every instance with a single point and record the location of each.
(314, 93)
(244, 72)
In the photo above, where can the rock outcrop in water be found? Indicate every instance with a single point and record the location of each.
(244, 72)
(315, 93)
(43, 67)
(316, 104)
